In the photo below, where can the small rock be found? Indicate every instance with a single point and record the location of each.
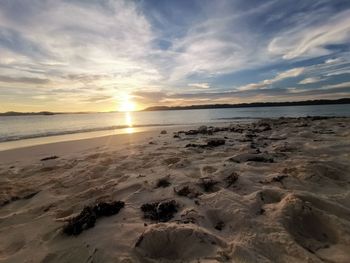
(163, 132)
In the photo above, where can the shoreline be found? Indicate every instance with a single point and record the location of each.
(109, 140)
(28, 142)
(115, 139)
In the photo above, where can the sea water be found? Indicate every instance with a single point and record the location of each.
(13, 128)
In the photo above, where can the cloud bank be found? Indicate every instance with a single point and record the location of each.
(89, 54)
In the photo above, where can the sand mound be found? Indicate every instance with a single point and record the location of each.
(322, 172)
(311, 230)
(315, 230)
(177, 242)
(270, 196)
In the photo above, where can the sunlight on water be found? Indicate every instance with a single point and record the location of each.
(130, 130)
(128, 121)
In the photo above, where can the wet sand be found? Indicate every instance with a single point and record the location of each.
(268, 191)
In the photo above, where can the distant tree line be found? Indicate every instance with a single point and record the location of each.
(254, 104)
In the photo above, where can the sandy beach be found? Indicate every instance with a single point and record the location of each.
(273, 190)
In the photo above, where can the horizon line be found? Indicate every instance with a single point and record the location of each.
(196, 106)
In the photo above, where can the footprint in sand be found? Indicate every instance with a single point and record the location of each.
(219, 219)
(270, 196)
(208, 170)
(314, 229)
(182, 163)
(177, 242)
(264, 199)
(321, 172)
(15, 245)
(311, 230)
(171, 160)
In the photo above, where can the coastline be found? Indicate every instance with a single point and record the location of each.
(29, 142)
(42, 140)
(75, 143)
(42, 129)
(70, 144)
(275, 190)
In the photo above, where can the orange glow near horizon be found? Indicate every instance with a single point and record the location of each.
(126, 105)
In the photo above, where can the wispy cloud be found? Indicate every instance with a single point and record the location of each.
(313, 36)
(311, 80)
(290, 93)
(25, 80)
(204, 85)
(267, 82)
(336, 86)
(175, 52)
(64, 38)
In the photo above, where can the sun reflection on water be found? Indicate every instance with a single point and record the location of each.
(128, 121)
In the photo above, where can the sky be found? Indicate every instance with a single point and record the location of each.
(106, 55)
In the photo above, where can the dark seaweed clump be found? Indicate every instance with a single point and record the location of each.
(163, 182)
(211, 143)
(160, 211)
(231, 179)
(87, 218)
(279, 178)
(261, 159)
(219, 225)
(208, 184)
(215, 142)
(49, 158)
(187, 191)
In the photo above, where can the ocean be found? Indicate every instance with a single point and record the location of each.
(37, 129)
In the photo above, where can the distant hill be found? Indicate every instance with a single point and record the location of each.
(14, 113)
(254, 104)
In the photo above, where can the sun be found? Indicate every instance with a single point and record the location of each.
(126, 105)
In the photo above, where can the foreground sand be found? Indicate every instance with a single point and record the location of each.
(269, 195)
